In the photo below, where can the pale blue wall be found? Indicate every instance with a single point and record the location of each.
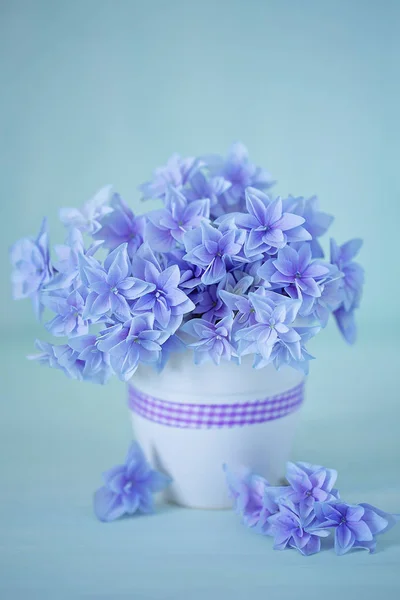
(102, 91)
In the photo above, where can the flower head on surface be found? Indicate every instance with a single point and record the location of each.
(129, 487)
(299, 514)
(223, 267)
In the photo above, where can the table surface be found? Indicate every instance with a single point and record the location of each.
(57, 436)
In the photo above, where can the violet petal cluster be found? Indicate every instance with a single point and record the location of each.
(223, 268)
(351, 288)
(299, 514)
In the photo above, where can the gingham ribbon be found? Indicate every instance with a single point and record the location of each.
(207, 416)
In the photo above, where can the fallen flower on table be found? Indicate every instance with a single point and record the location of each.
(129, 487)
(299, 514)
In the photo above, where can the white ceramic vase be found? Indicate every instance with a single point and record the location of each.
(247, 419)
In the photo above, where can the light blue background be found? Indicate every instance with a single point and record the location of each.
(98, 92)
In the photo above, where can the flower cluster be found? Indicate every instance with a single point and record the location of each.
(223, 267)
(298, 515)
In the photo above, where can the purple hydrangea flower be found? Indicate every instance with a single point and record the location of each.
(129, 487)
(212, 249)
(176, 173)
(32, 269)
(235, 287)
(247, 492)
(296, 526)
(273, 323)
(356, 526)
(88, 219)
(96, 366)
(353, 273)
(166, 301)
(128, 344)
(294, 355)
(67, 264)
(111, 287)
(245, 311)
(269, 227)
(209, 303)
(212, 188)
(46, 355)
(346, 322)
(316, 222)
(69, 310)
(172, 345)
(60, 356)
(272, 498)
(330, 299)
(298, 514)
(214, 340)
(220, 248)
(190, 275)
(121, 226)
(352, 284)
(166, 227)
(310, 483)
(294, 271)
(240, 172)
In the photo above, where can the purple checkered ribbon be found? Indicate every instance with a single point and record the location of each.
(206, 416)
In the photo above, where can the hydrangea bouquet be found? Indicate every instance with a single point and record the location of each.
(224, 267)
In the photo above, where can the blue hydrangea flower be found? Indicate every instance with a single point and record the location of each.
(272, 498)
(32, 269)
(245, 312)
(297, 274)
(236, 285)
(212, 188)
(240, 172)
(172, 345)
(356, 526)
(209, 303)
(331, 296)
(69, 310)
(352, 284)
(316, 222)
(60, 356)
(247, 492)
(310, 483)
(176, 173)
(353, 273)
(96, 364)
(121, 226)
(296, 526)
(67, 264)
(111, 287)
(166, 227)
(130, 343)
(88, 219)
(128, 488)
(46, 355)
(190, 275)
(294, 354)
(212, 250)
(346, 323)
(273, 322)
(269, 227)
(214, 340)
(220, 248)
(165, 300)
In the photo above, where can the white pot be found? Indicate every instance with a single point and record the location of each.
(193, 457)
